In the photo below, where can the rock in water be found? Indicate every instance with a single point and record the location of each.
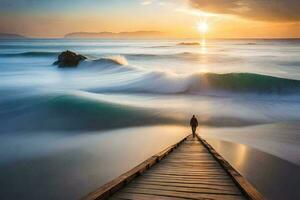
(69, 59)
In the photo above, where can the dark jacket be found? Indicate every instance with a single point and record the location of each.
(194, 122)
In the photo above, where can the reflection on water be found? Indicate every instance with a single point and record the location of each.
(278, 139)
(240, 159)
(275, 178)
(203, 46)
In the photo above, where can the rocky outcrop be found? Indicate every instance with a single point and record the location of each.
(69, 59)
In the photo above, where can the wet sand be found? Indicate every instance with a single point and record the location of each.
(267, 155)
(275, 178)
(62, 166)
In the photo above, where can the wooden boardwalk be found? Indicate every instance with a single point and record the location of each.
(191, 171)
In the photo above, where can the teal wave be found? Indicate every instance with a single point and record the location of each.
(249, 82)
(70, 112)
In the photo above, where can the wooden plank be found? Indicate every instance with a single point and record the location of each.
(218, 177)
(184, 195)
(187, 171)
(143, 197)
(188, 185)
(186, 175)
(191, 183)
(183, 189)
(203, 181)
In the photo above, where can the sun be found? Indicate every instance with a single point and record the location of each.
(203, 27)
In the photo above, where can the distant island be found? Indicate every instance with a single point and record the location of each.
(11, 36)
(134, 34)
(189, 43)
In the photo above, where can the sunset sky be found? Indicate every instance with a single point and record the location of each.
(177, 18)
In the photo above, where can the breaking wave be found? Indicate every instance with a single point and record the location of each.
(169, 83)
(119, 60)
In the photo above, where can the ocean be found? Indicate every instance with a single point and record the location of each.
(66, 131)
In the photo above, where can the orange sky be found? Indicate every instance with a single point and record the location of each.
(177, 18)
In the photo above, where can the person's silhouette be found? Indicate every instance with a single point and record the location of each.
(194, 124)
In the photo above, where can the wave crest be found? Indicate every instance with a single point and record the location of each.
(249, 82)
(118, 60)
(209, 83)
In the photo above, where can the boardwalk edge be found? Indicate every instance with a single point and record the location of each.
(248, 190)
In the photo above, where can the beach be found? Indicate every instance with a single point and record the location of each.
(67, 131)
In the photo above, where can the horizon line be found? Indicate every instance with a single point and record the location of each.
(149, 38)
(163, 36)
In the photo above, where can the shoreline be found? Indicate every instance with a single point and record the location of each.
(86, 153)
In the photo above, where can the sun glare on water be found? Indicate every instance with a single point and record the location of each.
(203, 29)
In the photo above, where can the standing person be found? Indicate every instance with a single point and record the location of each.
(194, 124)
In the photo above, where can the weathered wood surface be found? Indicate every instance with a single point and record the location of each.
(192, 171)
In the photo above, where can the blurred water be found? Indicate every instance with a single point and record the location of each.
(50, 116)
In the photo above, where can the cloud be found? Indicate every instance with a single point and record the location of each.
(147, 2)
(265, 10)
(157, 2)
